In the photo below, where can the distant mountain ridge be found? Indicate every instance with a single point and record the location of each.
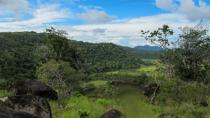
(148, 48)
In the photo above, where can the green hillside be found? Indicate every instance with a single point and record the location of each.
(18, 59)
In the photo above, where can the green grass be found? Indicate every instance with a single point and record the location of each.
(134, 72)
(130, 73)
(5, 93)
(151, 61)
(121, 74)
(74, 107)
(131, 103)
(98, 83)
(145, 69)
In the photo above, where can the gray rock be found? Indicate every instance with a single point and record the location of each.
(33, 87)
(30, 104)
(9, 113)
(113, 113)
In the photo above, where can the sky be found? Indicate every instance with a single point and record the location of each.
(115, 21)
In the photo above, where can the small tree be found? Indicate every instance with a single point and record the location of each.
(59, 75)
(194, 44)
(161, 37)
(56, 46)
(57, 43)
(188, 61)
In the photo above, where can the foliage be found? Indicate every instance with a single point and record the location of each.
(60, 75)
(187, 61)
(179, 92)
(22, 52)
(159, 36)
(60, 49)
(104, 57)
(17, 59)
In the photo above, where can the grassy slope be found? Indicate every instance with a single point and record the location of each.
(132, 102)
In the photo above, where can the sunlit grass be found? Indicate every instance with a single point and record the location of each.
(98, 83)
(134, 72)
(76, 106)
(147, 69)
(131, 102)
(5, 93)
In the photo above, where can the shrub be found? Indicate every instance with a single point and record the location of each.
(177, 91)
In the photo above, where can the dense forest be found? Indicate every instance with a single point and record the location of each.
(104, 80)
(19, 55)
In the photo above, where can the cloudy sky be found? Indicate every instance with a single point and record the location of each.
(116, 21)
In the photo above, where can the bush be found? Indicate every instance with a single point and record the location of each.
(178, 92)
(60, 76)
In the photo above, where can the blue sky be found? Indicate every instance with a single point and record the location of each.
(116, 21)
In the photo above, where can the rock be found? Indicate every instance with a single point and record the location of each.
(113, 113)
(150, 89)
(204, 103)
(23, 87)
(9, 113)
(30, 104)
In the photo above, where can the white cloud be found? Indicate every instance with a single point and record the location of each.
(94, 16)
(186, 7)
(166, 4)
(193, 12)
(122, 32)
(125, 32)
(40, 18)
(14, 6)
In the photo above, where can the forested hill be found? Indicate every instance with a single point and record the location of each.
(17, 58)
(147, 52)
(106, 56)
(148, 48)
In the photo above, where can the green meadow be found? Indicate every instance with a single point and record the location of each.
(126, 98)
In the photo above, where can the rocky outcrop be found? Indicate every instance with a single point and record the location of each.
(113, 113)
(36, 88)
(29, 104)
(10, 113)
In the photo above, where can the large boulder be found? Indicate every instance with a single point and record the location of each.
(33, 87)
(150, 89)
(113, 113)
(29, 104)
(9, 113)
